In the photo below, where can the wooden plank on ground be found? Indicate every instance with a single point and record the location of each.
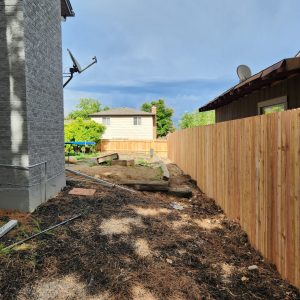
(107, 157)
(149, 186)
(180, 192)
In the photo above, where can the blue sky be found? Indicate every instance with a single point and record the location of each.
(183, 51)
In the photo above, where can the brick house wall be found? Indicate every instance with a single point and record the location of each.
(31, 103)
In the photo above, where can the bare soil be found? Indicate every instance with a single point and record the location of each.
(135, 246)
(117, 174)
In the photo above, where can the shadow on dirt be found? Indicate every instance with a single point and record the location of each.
(135, 246)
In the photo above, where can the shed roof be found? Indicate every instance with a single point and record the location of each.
(121, 111)
(277, 72)
(66, 9)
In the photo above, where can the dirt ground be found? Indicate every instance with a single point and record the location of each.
(135, 246)
(118, 174)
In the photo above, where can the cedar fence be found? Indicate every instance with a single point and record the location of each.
(251, 167)
(135, 146)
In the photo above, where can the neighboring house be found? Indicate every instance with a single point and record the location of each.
(31, 100)
(127, 124)
(274, 89)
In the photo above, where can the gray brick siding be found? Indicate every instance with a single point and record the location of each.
(31, 97)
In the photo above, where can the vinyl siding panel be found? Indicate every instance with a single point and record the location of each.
(123, 128)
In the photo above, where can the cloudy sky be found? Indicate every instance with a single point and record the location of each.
(183, 51)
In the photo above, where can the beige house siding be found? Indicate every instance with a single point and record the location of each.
(122, 127)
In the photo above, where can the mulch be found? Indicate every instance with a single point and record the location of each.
(186, 261)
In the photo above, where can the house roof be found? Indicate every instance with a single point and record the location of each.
(121, 111)
(277, 72)
(66, 9)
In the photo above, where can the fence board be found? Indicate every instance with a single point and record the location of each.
(134, 146)
(251, 167)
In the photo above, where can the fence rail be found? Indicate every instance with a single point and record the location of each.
(251, 167)
(135, 146)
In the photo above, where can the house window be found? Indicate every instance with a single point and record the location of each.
(106, 120)
(272, 105)
(137, 121)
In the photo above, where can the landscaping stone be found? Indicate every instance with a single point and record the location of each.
(82, 192)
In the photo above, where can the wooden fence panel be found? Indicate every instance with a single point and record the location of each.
(251, 167)
(134, 146)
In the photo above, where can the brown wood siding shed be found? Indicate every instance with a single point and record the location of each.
(247, 106)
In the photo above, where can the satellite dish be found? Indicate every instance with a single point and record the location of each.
(76, 67)
(75, 62)
(244, 72)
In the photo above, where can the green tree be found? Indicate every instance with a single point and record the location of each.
(85, 107)
(196, 118)
(81, 130)
(164, 115)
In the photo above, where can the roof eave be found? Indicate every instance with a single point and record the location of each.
(66, 9)
(278, 71)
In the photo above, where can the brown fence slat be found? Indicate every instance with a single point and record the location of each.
(134, 146)
(251, 167)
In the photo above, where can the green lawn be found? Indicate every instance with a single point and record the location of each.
(80, 156)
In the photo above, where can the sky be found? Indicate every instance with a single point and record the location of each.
(183, 51)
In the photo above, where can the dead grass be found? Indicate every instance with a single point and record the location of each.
(139, 292)
(65, 288)
(208, 224)
(119, 225)
(142, 248)
(149, 212)
(227, 271)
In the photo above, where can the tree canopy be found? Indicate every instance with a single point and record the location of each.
(196, 118)
(85, 107)
(164, 115)
(81, 130)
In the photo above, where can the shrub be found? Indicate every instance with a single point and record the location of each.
(81, 130)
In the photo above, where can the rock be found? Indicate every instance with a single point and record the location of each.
(176, 206)
(253, 267)
(169, 261)
(244, 278)
(71, 160)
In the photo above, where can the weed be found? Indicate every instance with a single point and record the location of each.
(159, 176)
(144, 163)
(4, 251)
(92, 164)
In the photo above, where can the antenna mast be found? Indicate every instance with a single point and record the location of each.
(76, 67)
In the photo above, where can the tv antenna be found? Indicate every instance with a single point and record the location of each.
(298, 54)
(244, 72)
(76, 67)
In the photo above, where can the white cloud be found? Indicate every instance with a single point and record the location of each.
(146, 41)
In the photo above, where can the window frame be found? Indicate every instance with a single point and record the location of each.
(137, 120)
(106, 120)
(272, 102)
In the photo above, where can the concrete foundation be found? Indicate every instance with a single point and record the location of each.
(26, 199)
